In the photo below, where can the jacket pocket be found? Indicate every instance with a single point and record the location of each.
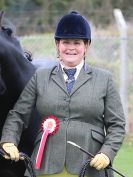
(97, 136)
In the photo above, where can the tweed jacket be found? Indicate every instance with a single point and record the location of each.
(91, 116)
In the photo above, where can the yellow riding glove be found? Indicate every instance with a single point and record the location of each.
(11, 150)
(100, 161)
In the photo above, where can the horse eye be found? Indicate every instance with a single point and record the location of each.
(7, 30)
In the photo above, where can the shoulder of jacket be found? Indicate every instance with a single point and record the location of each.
(101, 71)
(46, 71)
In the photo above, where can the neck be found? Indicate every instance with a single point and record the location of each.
(71, 66)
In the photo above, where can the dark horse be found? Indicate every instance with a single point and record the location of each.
(15, 72)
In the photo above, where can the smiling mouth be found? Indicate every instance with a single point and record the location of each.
(71, 54)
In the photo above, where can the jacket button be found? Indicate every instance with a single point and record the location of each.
(66, 120)
(67, 99)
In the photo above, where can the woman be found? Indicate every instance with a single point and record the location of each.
(83, 99)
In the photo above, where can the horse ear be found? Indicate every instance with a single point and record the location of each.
(5, 25)
(1, 17)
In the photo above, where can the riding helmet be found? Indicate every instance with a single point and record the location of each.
(73, 26)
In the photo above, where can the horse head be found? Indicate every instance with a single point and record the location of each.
(7, 31)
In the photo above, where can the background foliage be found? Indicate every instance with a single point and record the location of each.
(42, 15)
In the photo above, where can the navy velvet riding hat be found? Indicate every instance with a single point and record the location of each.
(73, 26)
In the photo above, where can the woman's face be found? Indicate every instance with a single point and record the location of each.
(71, 51)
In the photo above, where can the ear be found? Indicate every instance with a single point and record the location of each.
(1, 17)
(87, 45)
(57, 43)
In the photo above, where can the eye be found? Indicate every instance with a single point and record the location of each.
(66, 42)
(77, 42)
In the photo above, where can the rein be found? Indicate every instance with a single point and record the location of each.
(85, 166)
(30, 168)
(87, 162)
(27, 162)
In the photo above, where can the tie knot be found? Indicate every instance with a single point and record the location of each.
(70, 72)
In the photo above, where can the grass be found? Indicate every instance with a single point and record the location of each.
(124, 159)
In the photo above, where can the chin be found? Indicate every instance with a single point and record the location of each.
(72, 64)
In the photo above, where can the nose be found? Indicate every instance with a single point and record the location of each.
(71, 46)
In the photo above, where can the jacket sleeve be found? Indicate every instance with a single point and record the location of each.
(114, 121)
(18, 118)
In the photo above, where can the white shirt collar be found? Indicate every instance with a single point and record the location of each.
(78, 67)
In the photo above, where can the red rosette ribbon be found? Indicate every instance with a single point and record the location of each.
(49, 126)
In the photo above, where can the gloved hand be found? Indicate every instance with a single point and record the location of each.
(100, 161)
(12, 150)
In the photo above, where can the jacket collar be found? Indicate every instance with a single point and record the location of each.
(86, 68)
(84, 75)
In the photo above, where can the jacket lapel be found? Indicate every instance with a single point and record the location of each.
(57, 77)
(84, 76)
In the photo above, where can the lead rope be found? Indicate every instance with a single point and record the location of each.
(27, 162)
(86, 164)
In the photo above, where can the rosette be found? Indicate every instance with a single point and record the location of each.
(49, 127)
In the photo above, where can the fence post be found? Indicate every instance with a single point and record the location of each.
(122, 27)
